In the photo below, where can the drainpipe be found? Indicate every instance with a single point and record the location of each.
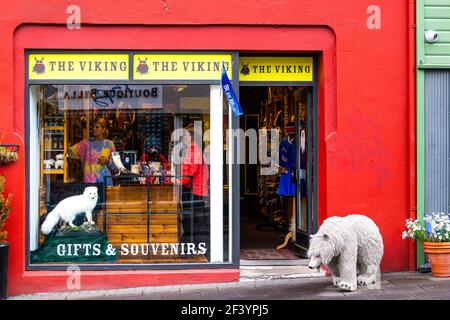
(412, 127)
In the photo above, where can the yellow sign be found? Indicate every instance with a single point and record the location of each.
(78, 66)
(276, 69)
(180, 66)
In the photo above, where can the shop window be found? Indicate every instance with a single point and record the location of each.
(128, 174)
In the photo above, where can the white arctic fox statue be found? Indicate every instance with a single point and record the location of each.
(70, 207)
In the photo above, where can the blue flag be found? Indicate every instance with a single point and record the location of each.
(229, 93)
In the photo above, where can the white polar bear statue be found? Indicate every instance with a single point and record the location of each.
(350, 247)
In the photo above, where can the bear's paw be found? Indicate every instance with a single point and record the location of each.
(336, 281)
(365, 280)
(346, 286)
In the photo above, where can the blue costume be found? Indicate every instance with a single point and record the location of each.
(287, 186)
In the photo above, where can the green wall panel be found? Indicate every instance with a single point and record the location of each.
(433, 15)
(437, 49)
(437, 24)
(435, 2)
(437, 12)
(436, 62)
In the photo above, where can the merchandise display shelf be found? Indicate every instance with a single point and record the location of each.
(53, 171)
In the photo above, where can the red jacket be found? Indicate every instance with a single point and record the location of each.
(194, 165)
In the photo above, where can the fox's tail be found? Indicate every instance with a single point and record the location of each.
(50, 221)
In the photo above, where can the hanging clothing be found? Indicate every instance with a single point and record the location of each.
(287, 185)
(287, 154)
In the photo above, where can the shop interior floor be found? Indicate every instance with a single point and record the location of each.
(268, 254)
(259, 238)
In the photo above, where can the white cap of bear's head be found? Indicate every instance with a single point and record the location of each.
(321, 250)
(91, 192)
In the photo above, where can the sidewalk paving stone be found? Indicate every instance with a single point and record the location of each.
(411, 282)
(290, 297)
(246, 292)
(436, 287)
(432, 295)
(357, 297)
(409, 289)
(392, 296)
(385, 284)
(209, 292)
(181, 296)
(364, 291)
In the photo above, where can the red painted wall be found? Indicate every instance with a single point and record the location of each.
(364, 100)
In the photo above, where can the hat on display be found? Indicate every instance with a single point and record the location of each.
(290, 127)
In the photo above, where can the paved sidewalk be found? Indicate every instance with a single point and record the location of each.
(274, 283)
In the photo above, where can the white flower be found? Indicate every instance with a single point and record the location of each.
(437, 227)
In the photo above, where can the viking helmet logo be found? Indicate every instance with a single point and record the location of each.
(142, 67)
(245, 69)
(39, 66)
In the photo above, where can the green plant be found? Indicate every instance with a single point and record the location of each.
(70, 229)
(4, 209)
(8, 152)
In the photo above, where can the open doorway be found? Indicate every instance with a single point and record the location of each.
(274, 193)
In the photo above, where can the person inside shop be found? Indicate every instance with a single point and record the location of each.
(95, 153)
(287, 171)
(194, 172)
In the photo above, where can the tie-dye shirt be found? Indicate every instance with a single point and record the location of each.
(89, 150)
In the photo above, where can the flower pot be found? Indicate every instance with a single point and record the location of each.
(4, 249)
(439, 255)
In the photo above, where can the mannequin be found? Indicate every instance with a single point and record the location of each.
(287, 184)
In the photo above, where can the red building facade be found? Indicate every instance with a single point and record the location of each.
(365, 104)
